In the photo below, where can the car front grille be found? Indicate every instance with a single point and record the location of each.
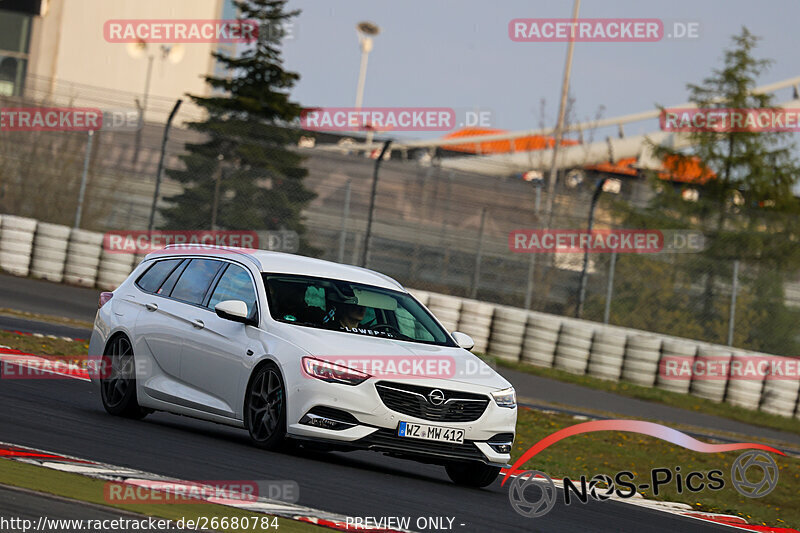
(416, 401)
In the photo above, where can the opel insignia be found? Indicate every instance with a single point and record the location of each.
(300, 350)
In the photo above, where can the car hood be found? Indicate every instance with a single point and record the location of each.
(391, 359)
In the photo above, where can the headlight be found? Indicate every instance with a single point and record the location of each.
(505, 398)
(332, 373)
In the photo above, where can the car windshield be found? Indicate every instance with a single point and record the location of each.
(351, 307)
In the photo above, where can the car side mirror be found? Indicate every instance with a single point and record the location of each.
(235, 310)
(463, 340)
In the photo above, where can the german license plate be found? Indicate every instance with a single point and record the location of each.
(426, 432)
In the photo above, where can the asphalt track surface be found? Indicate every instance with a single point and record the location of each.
(46, 298)
(66, 416)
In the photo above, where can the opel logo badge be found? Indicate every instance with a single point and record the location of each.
(436, 397)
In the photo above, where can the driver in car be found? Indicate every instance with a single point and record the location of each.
(349, 315)
(343, 309)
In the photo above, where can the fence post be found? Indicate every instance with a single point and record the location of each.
(532, 259)
(734, 290)
(84, 177)
(356, 247)
(345, 216)
(161, 163)
(371, 211)
(610, 289)
(598, 189)
(477, 276)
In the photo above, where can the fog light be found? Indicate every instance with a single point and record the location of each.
(501, 443)
(329, 418)
(501, 448)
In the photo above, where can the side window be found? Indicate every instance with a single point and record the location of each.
(195, 280)
(172, 279)
(151, 280)
(235, 284)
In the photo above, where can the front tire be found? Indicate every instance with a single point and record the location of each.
(265, 408)
(473, 474)
(118, 390)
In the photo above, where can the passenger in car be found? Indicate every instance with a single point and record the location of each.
(289, 298)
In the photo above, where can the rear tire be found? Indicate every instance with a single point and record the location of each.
(472, 474)
(265, 408)
(118, 389)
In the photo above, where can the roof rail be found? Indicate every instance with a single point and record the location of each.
(245, 252)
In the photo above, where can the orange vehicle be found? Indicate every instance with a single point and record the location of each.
(676, 168)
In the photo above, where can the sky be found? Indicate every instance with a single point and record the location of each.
(458, 54)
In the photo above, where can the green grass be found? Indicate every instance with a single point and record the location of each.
(43, 345)
(673, 399)
(612, 452)
(90, 490)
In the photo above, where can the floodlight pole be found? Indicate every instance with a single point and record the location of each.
(366, 31)
(562, 111)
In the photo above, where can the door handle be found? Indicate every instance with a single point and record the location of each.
(199, 324)
(151, 306)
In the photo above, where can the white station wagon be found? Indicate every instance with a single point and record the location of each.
(301, 350)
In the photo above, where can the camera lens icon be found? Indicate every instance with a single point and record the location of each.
(537, 485)
(754, 460)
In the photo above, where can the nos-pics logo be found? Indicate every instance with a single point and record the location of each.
(532, 493)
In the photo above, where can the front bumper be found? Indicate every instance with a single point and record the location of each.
(371, 425)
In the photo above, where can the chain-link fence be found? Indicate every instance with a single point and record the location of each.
(434, 229)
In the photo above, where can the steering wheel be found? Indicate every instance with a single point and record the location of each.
(379, 327)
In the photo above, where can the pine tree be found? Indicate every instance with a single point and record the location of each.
(747, 211)
(245, 161)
